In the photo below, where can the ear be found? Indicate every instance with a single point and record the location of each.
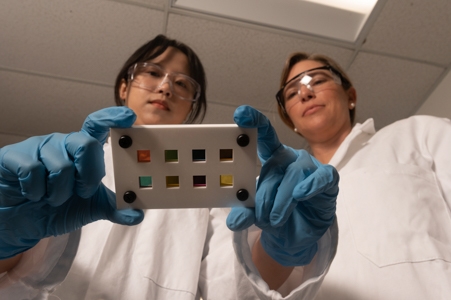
(123, 90)
(352, 95)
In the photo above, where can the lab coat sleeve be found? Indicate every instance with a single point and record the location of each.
(436, 146)
(45, 266)
(41, 268)
(304, 282)
(227, 270)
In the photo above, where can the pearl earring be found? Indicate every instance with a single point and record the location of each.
(295, 129)
(352, 105)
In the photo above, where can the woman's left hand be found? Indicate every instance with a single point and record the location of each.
(295, 200)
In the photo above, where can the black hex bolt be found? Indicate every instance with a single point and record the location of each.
(242, 194)
(125, 141)
(242, 140)
(129, 196)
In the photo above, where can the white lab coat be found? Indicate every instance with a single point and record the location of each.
(173, 254)
(393, 213)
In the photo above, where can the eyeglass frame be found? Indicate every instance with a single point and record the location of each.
(132, 69)
(331, 69)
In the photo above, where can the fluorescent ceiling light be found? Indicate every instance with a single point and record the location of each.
(358, 6)
(340, 20)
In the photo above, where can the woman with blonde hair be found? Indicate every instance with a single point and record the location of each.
(394, 204)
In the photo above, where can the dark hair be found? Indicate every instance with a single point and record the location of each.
(327, 61)
(155, 48)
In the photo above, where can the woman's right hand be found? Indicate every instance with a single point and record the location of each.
(296, 196)
(51, 185)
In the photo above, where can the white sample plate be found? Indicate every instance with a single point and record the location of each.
(184, 166)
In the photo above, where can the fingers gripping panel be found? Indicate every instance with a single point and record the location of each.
(184, 166)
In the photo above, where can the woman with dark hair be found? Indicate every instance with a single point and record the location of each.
(155, 48)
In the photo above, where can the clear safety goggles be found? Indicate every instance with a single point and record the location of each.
(316, 80)
(152, 77)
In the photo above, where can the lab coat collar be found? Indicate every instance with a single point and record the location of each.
(360, 134)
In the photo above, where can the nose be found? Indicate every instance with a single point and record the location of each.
(305, 93)
(165, 86)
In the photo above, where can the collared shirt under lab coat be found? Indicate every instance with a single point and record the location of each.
(393, 212)
(173, 254)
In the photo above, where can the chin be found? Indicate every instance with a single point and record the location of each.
(149, 120)
(156, 120)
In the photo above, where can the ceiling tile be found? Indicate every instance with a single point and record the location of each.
(390, 89)
(40, 105)
(83, 39)
(413, 28)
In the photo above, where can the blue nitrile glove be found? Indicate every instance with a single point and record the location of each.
(295, 200)
(51, 185)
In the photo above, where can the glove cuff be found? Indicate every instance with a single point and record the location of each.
(9, 251)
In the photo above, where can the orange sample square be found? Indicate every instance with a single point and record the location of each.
(143, 155)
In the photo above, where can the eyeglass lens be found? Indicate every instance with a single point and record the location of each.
(152, 77)
(316, 81)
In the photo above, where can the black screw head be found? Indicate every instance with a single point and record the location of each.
(243, 140)
(125, 141)
(242, 194)
(129, 196)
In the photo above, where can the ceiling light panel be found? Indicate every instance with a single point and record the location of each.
(323, 18)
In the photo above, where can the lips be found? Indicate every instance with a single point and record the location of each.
(161, 104)
(312, 109)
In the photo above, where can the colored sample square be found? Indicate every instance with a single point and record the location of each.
(172, 182)
(145, 181)
(226, 154)
(198, 155)
(171, 156)
(143, 155)
(199, 181)
(225, 180)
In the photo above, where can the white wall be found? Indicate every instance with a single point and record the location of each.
(439, 103)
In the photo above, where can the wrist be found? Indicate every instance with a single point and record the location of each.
(8, 264)
(273, 273)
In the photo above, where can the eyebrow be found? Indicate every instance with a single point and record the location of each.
(314, 72)
(162, 67)
(309, 72)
